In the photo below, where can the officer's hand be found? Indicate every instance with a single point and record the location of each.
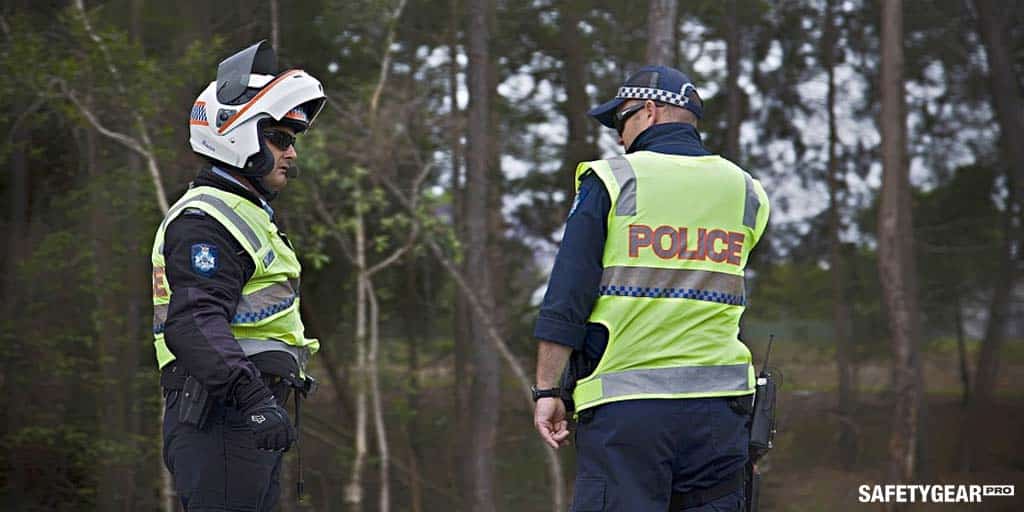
(269, 422)
(549, 418)
(271, 428)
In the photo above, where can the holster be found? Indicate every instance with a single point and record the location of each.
(579, 367)
(305, 386)
(282, 387)
(195, 403)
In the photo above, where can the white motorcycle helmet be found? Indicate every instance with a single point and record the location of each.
(248, 96)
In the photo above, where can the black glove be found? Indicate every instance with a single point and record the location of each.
(271, 427)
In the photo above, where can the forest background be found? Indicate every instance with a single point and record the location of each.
(433, 192)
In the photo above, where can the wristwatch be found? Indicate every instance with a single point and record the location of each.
(545, 393)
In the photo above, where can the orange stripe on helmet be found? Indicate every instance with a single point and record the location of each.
(256, 98)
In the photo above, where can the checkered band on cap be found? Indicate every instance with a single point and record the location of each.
(649, 93)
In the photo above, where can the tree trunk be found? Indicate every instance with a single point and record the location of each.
(964, 442)
(733, 93)
(961, 349)
(483, 393)
(986, 373)
(578, 146)
(1009, 109)
(461, 330)
(383, 451)
(840, 310)
(354, 488)
(987, 367)
(1007, 104)
(18, 244)
(1006, 93)
(661, 32)
(895, 256)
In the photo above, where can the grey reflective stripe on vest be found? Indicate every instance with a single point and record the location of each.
(159, 318)
(251, 308)
(225, 210)
(751, 204)
(673, 283)
(264, 302)
(626, 178)
(679, 380)
(251, 347)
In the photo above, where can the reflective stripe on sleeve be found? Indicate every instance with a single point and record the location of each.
(674, 283)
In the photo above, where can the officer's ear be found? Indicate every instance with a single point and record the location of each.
(651, 109)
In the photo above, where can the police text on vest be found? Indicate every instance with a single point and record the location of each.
(667, 242)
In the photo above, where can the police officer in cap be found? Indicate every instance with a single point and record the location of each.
(229, 339)
(645, 299)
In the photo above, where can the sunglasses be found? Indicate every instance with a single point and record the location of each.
(622, 116)
(281, 140)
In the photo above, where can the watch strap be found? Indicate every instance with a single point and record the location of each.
(545, 393)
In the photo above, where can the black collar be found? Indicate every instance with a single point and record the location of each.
(670, 138)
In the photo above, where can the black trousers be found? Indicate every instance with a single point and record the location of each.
(218, 468)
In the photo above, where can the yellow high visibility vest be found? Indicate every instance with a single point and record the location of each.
(680, 230)
(267, 317)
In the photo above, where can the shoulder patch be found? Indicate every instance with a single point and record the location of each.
(579, 199)
(204, 259)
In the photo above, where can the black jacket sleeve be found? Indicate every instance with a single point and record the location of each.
(206, 270)
(576, 275)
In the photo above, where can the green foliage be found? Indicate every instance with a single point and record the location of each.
(61, 458)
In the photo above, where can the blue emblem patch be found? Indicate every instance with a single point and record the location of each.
(579, 199)
(204, 259)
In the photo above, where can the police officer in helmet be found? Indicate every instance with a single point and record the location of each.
(644, 300)
(229, 338)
